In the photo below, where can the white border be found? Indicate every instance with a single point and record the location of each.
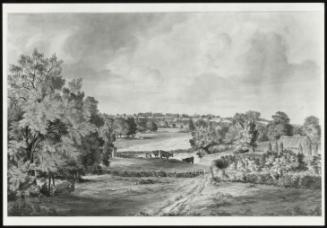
(141, 8)
(160, 7)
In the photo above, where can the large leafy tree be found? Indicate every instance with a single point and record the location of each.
(52, 128)
(107, 133)
(280, 125)
(36, 127)
(151, 125)
(248, 133)
(132, 126)
(83, 121)
(121, 126)
(191, 126)
(207, 134)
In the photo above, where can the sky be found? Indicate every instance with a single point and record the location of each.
(215, 62)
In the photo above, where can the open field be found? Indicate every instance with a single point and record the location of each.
(163, 139)
(111, 195)
(122, 196)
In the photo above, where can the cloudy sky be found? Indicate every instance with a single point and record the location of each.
(218, 62)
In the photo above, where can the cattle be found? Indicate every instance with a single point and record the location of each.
(148, 155)
(165, 154)
(189, 160)
(156, 153)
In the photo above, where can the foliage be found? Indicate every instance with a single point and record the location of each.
(286, 169)
(242, 131)
(248, 132)
(191, 126)
(121, 126)
(151, 125)
(262, 132)
(132, 127)
(107, 133)
(141, 124)
(52, 128)
(279, 126)
(312, 129)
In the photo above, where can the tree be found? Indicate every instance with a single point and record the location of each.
(39, 130)
(232, 134)
(239, 120)
(132, 127)
(121, 126)
(298, 130)
(253, 115)
(262, 132)
(191, 126)
(279, 126)
(34, 86)
(280, 118)
(141, 124)
(249, 135)
(51, 126)
(108, 135)
(207, 134)
(312, 129)
(90, 108)
(151, 125)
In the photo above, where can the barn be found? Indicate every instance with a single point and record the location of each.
(297, 144)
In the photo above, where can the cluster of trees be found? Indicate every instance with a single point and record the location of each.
(172, 120)
(244, 130)
(151, 115)
(127, 126)
(53, 128)
(145, 124)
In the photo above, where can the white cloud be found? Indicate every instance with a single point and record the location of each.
(190, 62)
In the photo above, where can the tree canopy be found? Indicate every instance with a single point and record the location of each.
(52, 125)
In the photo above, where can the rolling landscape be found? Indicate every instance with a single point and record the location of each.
(164, 114)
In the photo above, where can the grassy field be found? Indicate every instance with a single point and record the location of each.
(111, 195)
(163, 139)
(129, 190)
(108, 195)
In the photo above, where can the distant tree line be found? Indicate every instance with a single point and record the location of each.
(245, 130)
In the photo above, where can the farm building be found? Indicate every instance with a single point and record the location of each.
(297, 143)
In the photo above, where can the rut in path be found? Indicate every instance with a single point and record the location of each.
(179, 206)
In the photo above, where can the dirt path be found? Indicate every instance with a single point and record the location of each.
(181, 205)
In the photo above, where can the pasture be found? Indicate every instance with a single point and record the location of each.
(129, 195)
(136, 185)
(164, 139)
(107, 195)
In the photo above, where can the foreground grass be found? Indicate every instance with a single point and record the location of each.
(108, 195)
(111, 195)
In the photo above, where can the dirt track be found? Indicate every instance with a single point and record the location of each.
(181, 205)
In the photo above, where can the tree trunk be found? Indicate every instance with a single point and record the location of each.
(281, 149)
(53, 180)
(49, 184)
